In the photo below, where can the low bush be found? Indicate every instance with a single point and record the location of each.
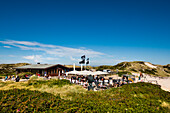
(50, 83)
(22, 75)
(139, 97)
(124, 72)
(31, 101)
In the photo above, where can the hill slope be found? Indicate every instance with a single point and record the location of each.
(9, 68)
(140, 97)
(140, 66)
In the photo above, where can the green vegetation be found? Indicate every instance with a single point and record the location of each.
(149, 71)
(124, 72)
(8, 69)
(53, 86)
(50, 83)
(139, 66)
(22, 75)
(101, 68)
(133, 70)
(139, 97)
(31, 101)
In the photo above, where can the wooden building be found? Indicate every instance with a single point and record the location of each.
(42, 69)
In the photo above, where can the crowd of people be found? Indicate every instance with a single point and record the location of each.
(96, 82)
(90, 82)
(17, 78)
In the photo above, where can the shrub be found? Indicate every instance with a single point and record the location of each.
(133, 70)
(124, 72)
(22, 75)
(50, 83)
(135, 97)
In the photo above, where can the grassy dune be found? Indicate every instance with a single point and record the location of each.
(63, 89)
(61, 96)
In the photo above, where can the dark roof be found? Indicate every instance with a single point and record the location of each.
(39, 66)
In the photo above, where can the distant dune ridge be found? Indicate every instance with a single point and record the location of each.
(135, 66)
(146, 67)
(9, 68)
(140, 66)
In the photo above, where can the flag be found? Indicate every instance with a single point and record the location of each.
(87, 62)
(82, 62)
(83, 57)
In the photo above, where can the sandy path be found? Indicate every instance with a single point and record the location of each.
(165, 82)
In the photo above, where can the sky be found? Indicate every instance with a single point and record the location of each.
(106, 31)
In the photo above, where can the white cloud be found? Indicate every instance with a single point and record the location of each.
(34, 58)
(74, 59)
(39, 58)
(7, 46)
(52, 49)
(52, 53)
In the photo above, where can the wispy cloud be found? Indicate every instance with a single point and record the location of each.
(74, 59)
(39, 58)
(51, 52)
(7, 46)
(52, 49)
(35, 58)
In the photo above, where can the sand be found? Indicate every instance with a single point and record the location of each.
(163, 82)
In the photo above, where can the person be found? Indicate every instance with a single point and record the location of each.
(49, 77)
(110, 81)
(26, 76)
(90, 81)
(17, 79)
(9, 77)
(71, 79)
(79, 78)
(141, 75)
(127, 79)
(103, 81)
(97, 81)
(13, 77)
(6, 78)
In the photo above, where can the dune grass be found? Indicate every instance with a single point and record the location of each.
(139, 97)
(54, 86)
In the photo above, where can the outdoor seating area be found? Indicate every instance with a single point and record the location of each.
(90, 80)
(96, 82)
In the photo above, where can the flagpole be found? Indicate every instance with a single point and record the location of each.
(74, 67)
(81, 66)
(85, 66)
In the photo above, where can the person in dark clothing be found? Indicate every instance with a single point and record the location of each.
(103, 81)
(90, 81)
(71, 79)
(17, 79)
(97, 78)
(100, 78)
(97, 81)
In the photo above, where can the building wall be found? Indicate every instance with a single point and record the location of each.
(53, 71)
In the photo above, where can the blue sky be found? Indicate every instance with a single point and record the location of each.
(107, 31)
